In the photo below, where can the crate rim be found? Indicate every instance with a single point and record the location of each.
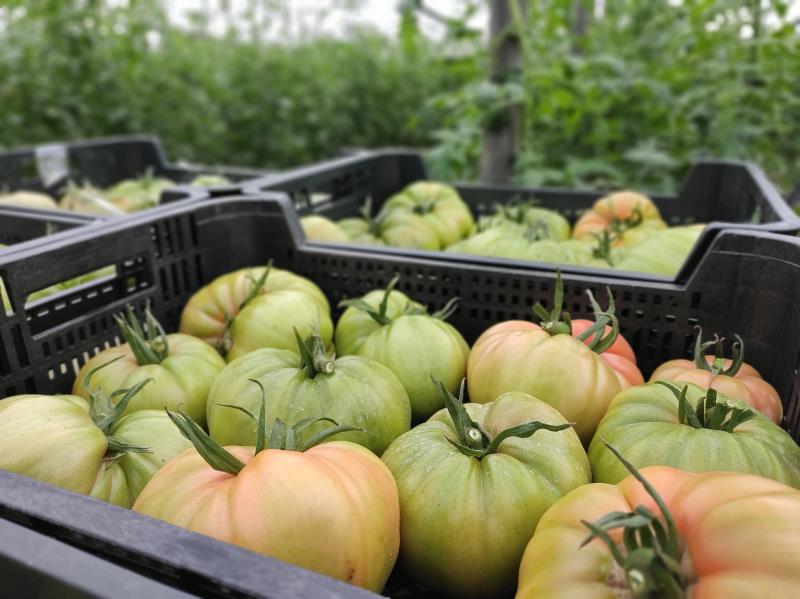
(89, 521)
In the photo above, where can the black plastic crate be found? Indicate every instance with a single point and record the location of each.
(19, 225)
(106, 161)
(746, 283)
(33, 564)
(721, 193)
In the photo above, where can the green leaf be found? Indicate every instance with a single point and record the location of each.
(212, 452)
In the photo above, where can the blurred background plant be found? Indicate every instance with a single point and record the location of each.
(614, 92)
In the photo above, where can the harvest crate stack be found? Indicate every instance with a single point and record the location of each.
(253, 327)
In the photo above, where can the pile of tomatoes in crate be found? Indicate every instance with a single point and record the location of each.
(347, 447)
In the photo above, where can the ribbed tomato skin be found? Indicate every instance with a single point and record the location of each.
(739, 531)
(333, 509)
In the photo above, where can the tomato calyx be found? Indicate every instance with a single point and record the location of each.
(373, 224)
(105, 413)
(559, 321)
(281, 436)
(605, 240)
(149, 344)
(225, 341)
(709, 413)
(380, 316)
(473, 439)
(619, 226)
(314, 359)
(536, 231)
(717, 365)
(650, 556)
(424, 207)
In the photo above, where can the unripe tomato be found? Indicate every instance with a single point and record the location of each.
(425, 215)
(254, 308)
(349, 389)
(86, 446)
(319, 228)
(474, 481)
(696, 430)
(386, 326)
(182, 369)
(662, 253)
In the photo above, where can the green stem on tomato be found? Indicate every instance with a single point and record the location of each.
(313, 357)
(379, 314)
(602, 251)
(149, 344)
(473, 439)
(559, 321)
(708, 413)
(280, 436)
(224, 341)
(105, 413)
(717, 365)
(650, 555)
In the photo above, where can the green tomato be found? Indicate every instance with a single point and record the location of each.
(465, 520)
(352, 390)
(54, 439)
(210, 181)
(663, 252)
(540, 223)
(409, 230)
(239, 313)
(132, 195)
(639, 415)
(482, 243)
(319, 228)
(644, 231)
(414, 345)
(182, 379)
(558, 252)
(443, 217)
(510, 241)
(360, 231)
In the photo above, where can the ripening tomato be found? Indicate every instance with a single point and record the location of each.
(723, 534)
(254, 308)
(546, 361)
(684, 426)
(182, 368)
(328, 507)
(474, 481)
(619, 211)
(87, 446)
(733, 378)
(619, 355)
(388, 327)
